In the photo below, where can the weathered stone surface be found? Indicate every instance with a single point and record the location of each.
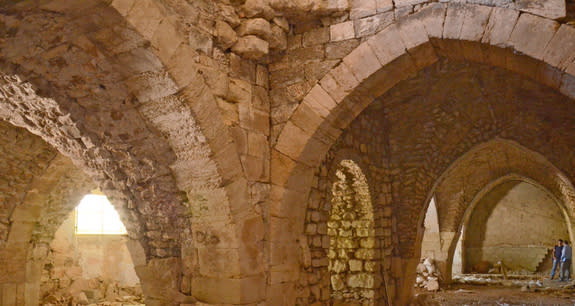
(234, 154)
(553, 9)
(384, 5)
(278, 39)
(363, 8)
(256, 26)
(371, 25)
(340, 49)
(363, 62)
(342, 31)
(500, 26)
(531, 34)
(433, 18)
(251, 47)
(560, 52)
(258, 8)
(400, 3)
(316, 37)
(384, 49)
(227, 37)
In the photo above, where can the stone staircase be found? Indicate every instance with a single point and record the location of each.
(545, 263)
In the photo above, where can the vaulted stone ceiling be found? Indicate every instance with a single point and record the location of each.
(209, 123)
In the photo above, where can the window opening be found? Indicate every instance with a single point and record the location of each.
(95, 215)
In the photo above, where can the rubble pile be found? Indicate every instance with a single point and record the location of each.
(94, 292)
(427, 275)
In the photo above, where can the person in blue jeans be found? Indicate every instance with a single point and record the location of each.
(566, 257)
(557, 251)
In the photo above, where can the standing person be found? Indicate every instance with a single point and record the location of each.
(566, 256)
(557, 251)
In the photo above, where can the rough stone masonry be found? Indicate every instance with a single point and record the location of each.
(217, 130)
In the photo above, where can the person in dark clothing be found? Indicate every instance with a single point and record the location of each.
(557, 251)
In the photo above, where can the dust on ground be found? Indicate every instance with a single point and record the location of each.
(462, 294)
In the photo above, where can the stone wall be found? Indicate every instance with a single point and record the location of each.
(426, 154)
(206, 121)
(352, 237)
(516, 223)
(462, 32)
(367, 258)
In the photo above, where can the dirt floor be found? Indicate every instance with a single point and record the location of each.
(550, 294)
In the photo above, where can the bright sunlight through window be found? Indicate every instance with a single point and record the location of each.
(96, 216)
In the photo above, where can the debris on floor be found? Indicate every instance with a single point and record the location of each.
(94, 292)
(427, 275)
(533, 292)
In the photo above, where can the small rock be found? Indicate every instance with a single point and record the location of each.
(432, 285)
(525, 288)
(428, 263)
(420, 268)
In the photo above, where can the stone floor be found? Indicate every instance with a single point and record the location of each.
(551, 293)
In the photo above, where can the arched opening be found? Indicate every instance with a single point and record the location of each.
(89, 260)
(511, 229)
(40, 254)
(428, 276)
(487, 165)
(431, 244)
(513, 224)
(422, 125)
(352, 243)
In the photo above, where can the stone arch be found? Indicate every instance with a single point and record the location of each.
(210, 171)
(24, 157)
(320, 241)
(532, 46)
(457, 196)
(513, 179)
(157, 145)
(53, 189)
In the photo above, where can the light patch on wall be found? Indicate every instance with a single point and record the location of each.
(95, 215)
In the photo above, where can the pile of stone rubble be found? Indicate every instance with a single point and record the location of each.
(427, 275)
(94, 292)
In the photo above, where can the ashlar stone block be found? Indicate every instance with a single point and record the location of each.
(500, 26)
(363, 62)
(355, 265)
(362, 8)
(342, 31)
(476, 18)
(560, 52)
(552, 9)
(532, 34)
(432, 18)
(387, 45)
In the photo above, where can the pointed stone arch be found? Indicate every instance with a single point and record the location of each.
(223, 187)
(532, 46)
(138, 117)
(457, 197)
